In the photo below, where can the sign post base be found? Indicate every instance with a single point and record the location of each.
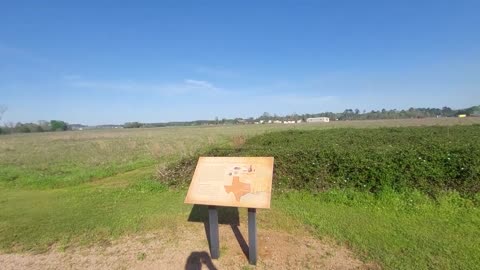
(213, 229)
(252, 236)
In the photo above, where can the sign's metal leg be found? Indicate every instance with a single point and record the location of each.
(252, 236)
(213, 228)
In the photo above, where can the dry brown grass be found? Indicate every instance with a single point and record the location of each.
(238, 141)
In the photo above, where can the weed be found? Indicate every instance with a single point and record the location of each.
(141, 256)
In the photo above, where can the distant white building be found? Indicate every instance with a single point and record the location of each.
(318, 120)
(299, 121)
(277, 122)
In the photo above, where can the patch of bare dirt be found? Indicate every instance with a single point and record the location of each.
(187, 248)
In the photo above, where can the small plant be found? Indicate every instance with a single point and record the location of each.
(141, 256)
(238, 141)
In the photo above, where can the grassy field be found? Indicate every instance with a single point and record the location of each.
(400, 231)
(406, 197)
(63, 189)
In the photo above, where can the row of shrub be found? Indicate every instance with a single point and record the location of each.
(429, 159)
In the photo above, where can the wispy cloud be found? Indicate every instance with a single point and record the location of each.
(199, 84)
(187, 86)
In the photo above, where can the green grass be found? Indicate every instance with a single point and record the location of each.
(406, 198)
(77, 188)
(36, 220)
(399, 231)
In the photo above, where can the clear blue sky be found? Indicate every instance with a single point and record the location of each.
(111, 62)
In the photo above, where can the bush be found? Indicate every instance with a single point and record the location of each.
(58, 125)
(429, 159)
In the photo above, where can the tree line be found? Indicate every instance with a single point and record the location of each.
(41, 126)
(348, 114)
(356, 114)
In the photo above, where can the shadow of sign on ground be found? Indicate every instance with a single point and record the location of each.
(226, 216)
(197, 259)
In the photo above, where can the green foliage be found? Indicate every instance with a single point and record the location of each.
(56, 125)
(430, 159)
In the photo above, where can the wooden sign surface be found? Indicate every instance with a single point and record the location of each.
(232, 181)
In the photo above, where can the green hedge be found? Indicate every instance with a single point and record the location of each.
(430, 159)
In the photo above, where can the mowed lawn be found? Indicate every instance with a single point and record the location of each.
(77, 188)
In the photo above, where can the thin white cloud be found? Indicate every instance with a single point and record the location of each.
(187, 86)
(199, 84)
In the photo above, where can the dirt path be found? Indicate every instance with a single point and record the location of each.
(187, 248)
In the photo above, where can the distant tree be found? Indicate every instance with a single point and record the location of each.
(19, 127)
(132, 125)
(474, 111)
(57, 125)
(265, 116)
(44, 125)
(346, 115)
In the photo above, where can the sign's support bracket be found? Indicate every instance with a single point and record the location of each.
(252, 236)
(213, 229)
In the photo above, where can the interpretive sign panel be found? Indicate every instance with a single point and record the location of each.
(232, 181)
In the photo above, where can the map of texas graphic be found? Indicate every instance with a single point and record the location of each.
(238, 188)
